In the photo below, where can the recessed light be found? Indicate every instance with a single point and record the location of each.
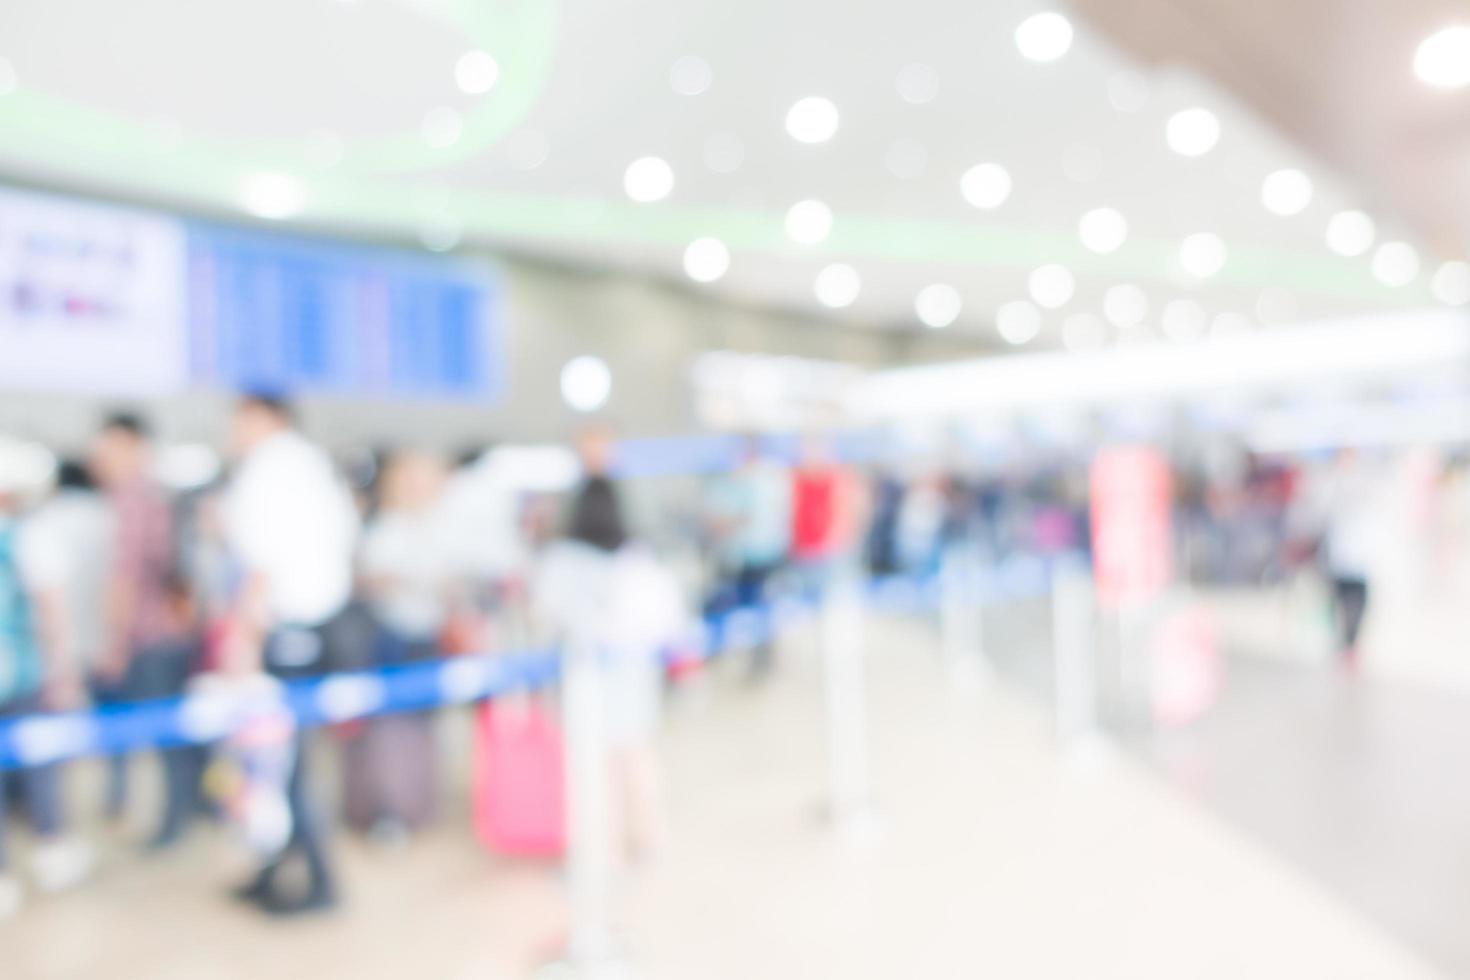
(938, 305)
(812, 120)
(986, 185)
(837, 285)
(1044, 37)
(476, 72)
(808, 222)
(648, 179)
(1103, 230)
(1192, 132)
(706, 259)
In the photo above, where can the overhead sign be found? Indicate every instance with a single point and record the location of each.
(91, 297)
(122, 301)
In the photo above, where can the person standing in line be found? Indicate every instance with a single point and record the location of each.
(750, 511)
(291, 523)
(36, 675)
(1351, 545)
(604, 595)
(148, 653)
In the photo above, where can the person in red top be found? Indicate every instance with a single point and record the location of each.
(147, 654)
(825, 513)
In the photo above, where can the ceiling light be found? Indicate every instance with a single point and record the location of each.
(1350, 233)
(441, 234)
(1018, 322)
(1193, 132)
(1045, 36)
(906, 159)
(1451, 284)
(1052, 286)
(1103, 230)
(808, 222)
(324, 149)
(648, 179)
(1228, 325)
(1395, 264)
(724, 153)
(1125, 305)
(706, 259)
(273, 196)
(837, 285)
(986, 185)
(476, 72)
(812, 120)
(526, 149)
(938, 305)
(1202, 255)
(442, 127)
(1184, 320)
(1276, 305)
(1443, 59)
(1286, 192)
(1128, 91)
(586, 383)
(917, 84)
(691, 75)
(1084, 331)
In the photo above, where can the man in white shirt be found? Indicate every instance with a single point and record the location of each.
(291, 523)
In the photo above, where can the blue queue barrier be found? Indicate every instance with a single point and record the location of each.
(331, 699)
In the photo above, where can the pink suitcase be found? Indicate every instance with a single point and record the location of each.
(519, 806)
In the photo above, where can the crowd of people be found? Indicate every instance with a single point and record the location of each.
(115, 589)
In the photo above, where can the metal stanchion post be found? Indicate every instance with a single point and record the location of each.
(590, 952)
(1073, 611)
(845, 674)
(961, 619)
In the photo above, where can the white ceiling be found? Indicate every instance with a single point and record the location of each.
(304, 74)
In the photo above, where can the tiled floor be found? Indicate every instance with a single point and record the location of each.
(997, 858)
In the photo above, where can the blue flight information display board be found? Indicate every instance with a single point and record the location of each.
(294, 314)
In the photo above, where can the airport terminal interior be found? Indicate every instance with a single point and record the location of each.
(550, 490)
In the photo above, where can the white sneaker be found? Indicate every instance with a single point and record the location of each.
(12, 896)
(61, 864)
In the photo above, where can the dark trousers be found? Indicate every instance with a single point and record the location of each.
(308, 838)
(159, 671)
(308, 834)
(40, 786)
(1350, 602)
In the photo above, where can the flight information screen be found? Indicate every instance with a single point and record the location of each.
(300, 315)
(109, 300)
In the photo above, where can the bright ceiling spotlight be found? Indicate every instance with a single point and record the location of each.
(1184, 320)
(1052, 286)
(938, 305)
(1350, 233)
(1103, 230)
(1044, 37)
(442, 127)
(1286, 192)
(723, 153)
(1396, 264)
(1084, 332)
(1192, 132)
(1125, 305)
(273, 196)
(1128, 91)
(648, 179)
(986, 185)
(917, 84)
(706, 259)
(808, 222)
(476, 72)
(837, 285)
(812, 120)
(1202, 255)
(1451, 284)
(586, 383)
(1442, 59)
(1018, 322)
(691, 75)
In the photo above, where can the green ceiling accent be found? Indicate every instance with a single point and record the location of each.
(389, 184)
